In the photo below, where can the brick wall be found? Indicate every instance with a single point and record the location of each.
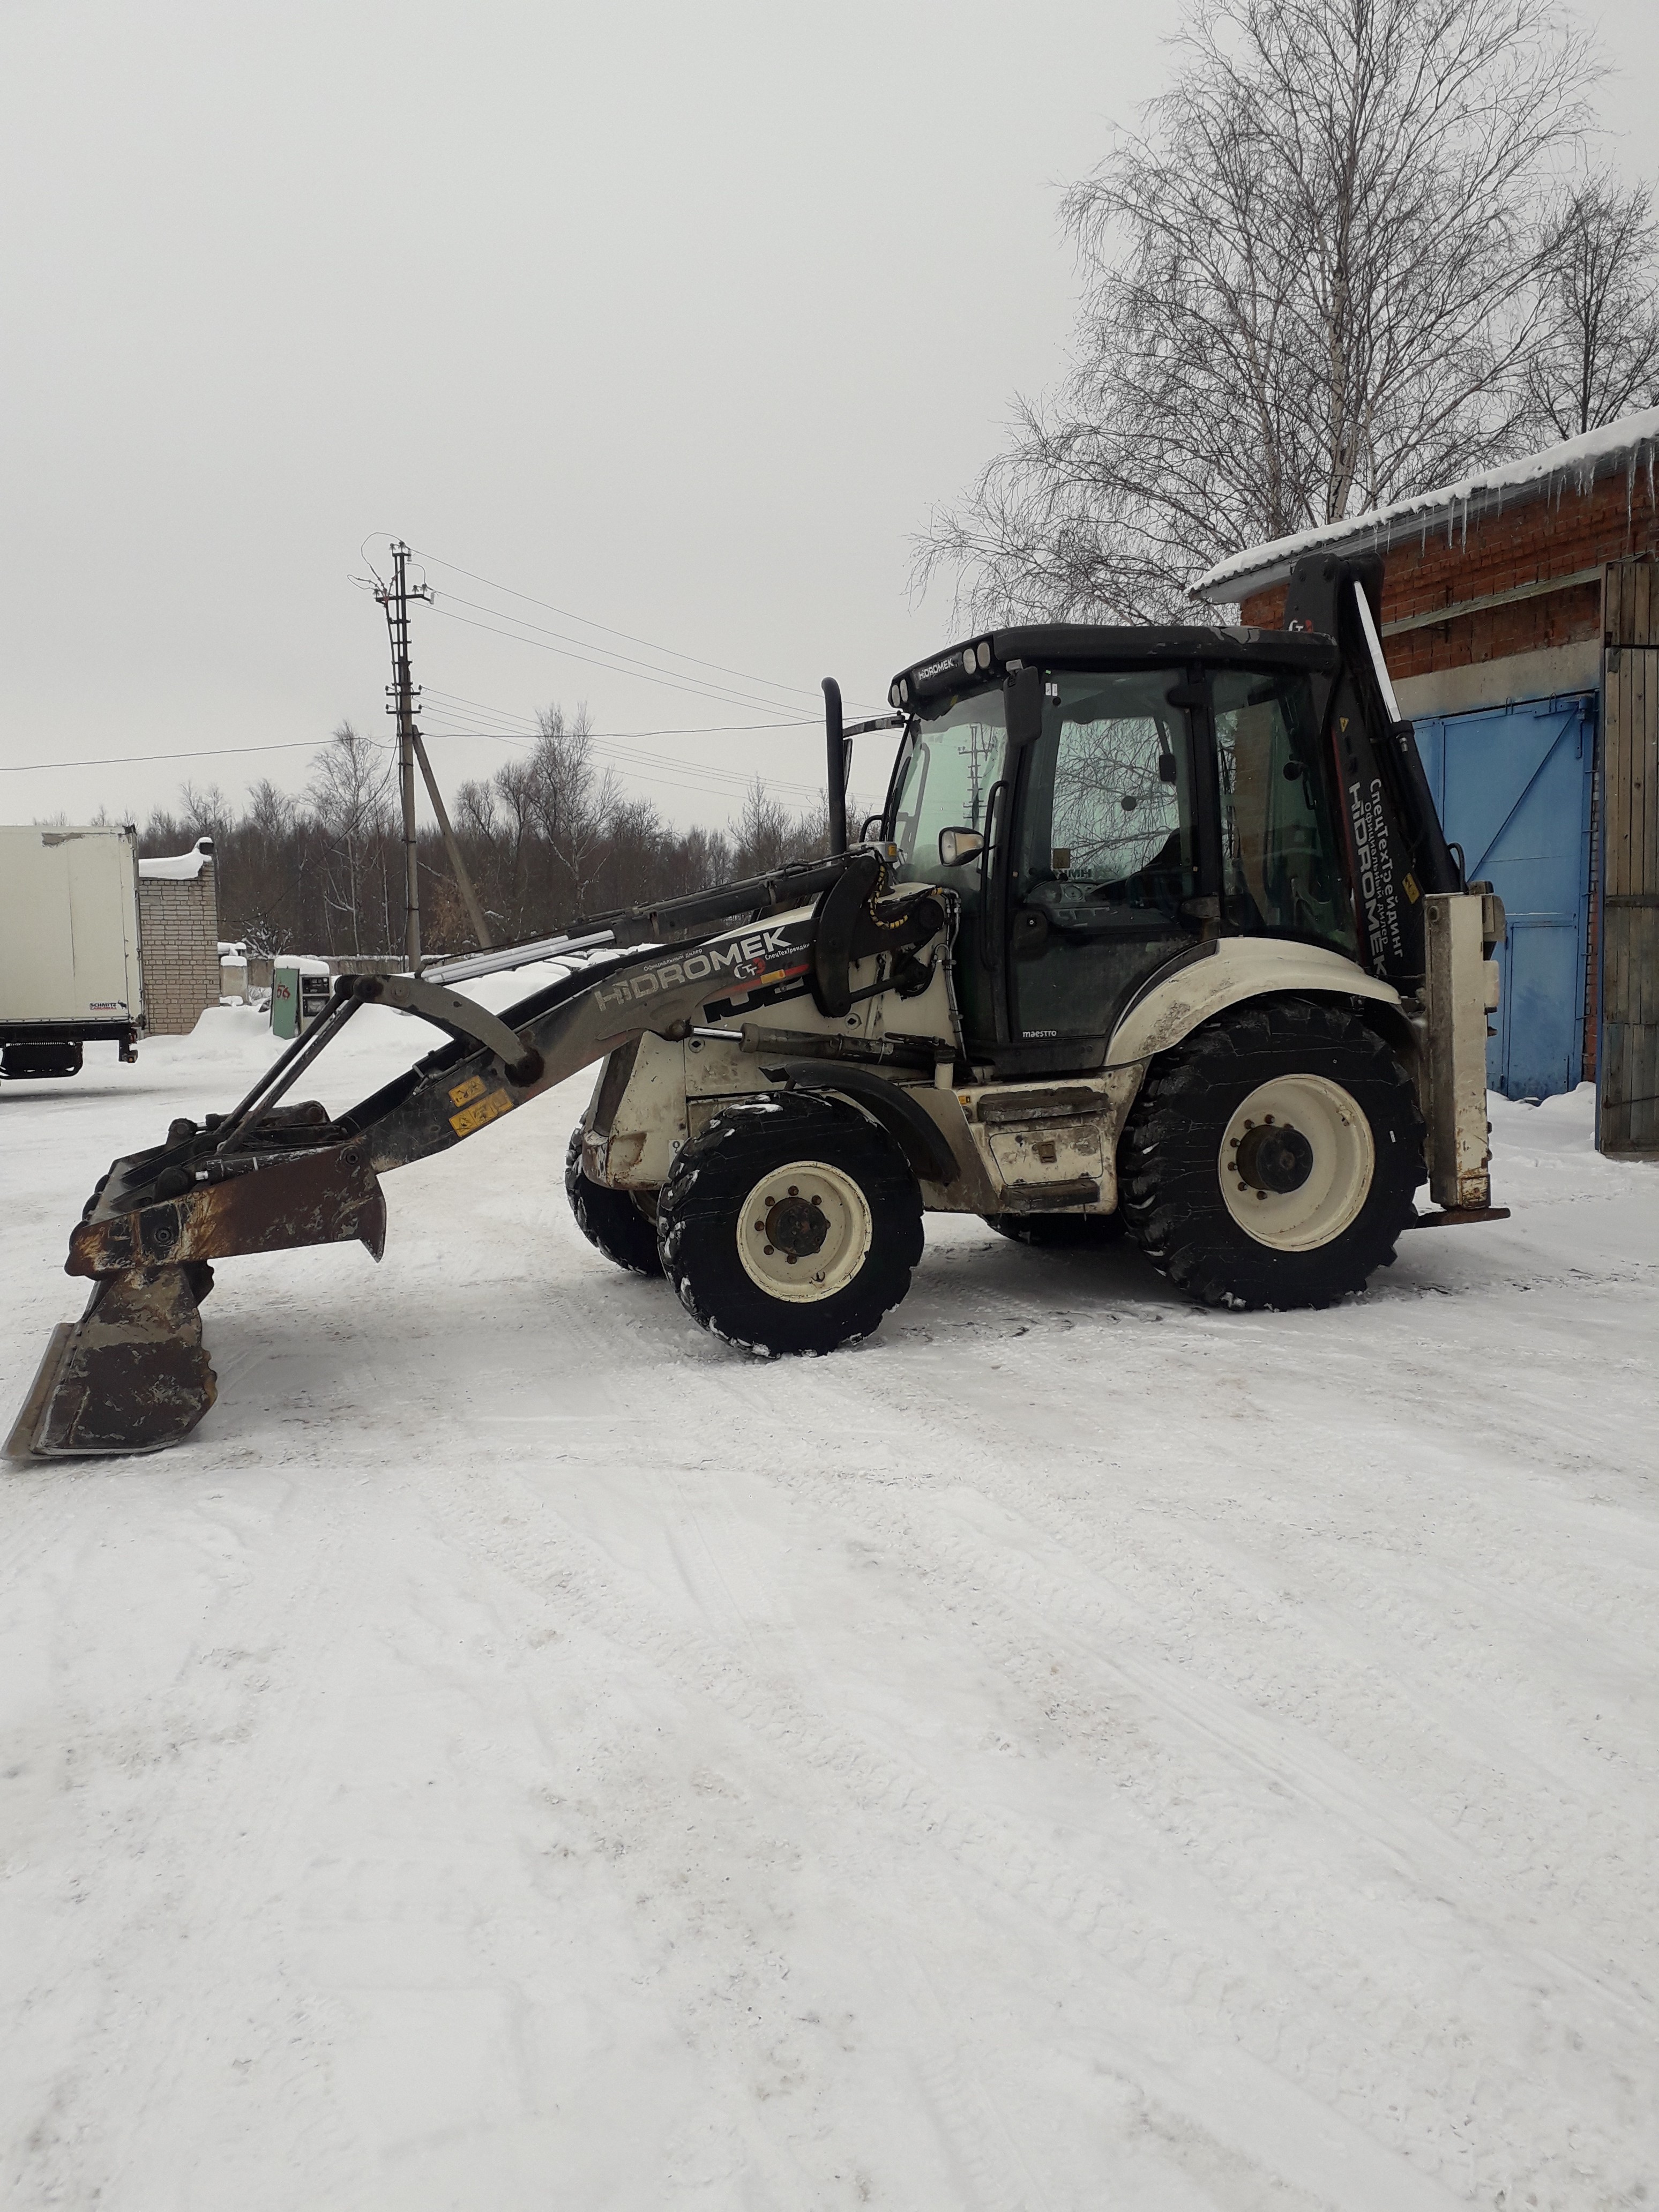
(1556, 531)
(178, 933)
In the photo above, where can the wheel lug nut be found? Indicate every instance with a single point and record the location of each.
(795, 1191)
(768, 1251)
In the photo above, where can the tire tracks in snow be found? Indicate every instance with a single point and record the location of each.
(192, 1845)
(1404, 2035)
(1271, 2121)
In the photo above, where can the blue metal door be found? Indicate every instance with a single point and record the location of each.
(1513, 787)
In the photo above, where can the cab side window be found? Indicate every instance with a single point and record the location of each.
(1282, 855)
(1108, 816)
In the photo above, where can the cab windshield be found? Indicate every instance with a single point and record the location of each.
(943, 780)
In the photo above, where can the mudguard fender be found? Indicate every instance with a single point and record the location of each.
(920, 1139)
(1225, 973)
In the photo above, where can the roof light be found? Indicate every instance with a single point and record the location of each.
(984, 654)
(893, 693)
(967, 660)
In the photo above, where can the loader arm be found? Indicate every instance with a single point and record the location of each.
(133, 1373)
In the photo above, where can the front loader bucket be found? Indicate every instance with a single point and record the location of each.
(131, 1375)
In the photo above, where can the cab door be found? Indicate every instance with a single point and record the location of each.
(951, 774)
(1104, 864)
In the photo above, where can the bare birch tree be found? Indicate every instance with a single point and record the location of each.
(1308, 288)
(349, 796)
(1598, 356)
(573, 800)
(763, 836)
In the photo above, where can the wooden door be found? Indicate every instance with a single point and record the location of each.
(1628, 1062)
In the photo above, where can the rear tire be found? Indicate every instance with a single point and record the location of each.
(613, 1221)
(790, 1225)
(1317, 1124)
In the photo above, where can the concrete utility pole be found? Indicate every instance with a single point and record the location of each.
(401, 694)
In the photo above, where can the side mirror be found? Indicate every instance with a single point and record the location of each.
(1022, 706)
(957, 846)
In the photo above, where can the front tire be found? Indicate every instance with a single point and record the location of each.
(790, 1225)
(1272, 1158)
(613, 1221)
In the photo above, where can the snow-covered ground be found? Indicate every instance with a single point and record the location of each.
(1071, 1751)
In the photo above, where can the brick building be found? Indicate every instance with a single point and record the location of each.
(1521, 626)
(179, 939)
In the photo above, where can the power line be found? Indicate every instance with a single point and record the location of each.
(320, 744)
(681, 730)
(659, 767)
(651, 767)
(618, 663)
(746, 675)
(208, 752)
(718, 695)
(449, 701)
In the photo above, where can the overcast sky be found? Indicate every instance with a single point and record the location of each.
(674, 319)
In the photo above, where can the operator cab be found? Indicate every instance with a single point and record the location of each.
(1108, 803)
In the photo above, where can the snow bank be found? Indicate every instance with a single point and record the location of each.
(180, 867)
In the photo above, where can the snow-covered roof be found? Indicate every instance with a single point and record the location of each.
(180, 867)
(1632, 442)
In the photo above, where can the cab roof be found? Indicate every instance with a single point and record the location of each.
(988, 655)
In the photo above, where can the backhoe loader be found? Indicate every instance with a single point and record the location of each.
(1156, 934)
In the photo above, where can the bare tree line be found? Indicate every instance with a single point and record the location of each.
(546, 838)
(1352, 252)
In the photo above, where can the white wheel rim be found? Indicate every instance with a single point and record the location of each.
(1267, 1140)
(782, 1217)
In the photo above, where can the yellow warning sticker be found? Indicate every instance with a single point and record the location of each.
(1412, 891)
(464, 1093)
(487, 1109)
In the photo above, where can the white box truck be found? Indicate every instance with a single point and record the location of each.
(70, 972)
